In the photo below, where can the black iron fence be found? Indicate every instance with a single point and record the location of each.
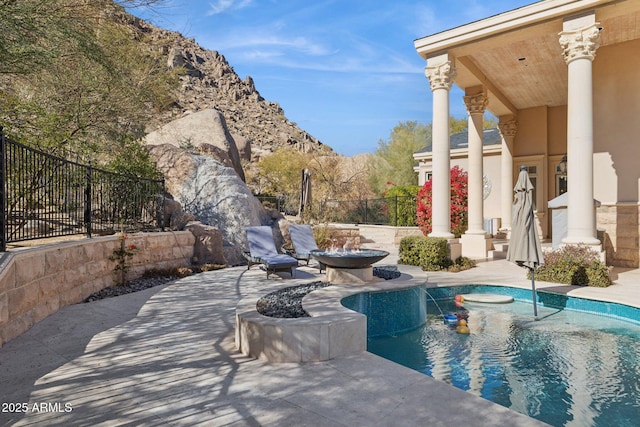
(396, 210)
(47, 196)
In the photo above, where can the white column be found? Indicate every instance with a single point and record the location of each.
(476, 104)
(475, 241)
(508, 128)
(580, 42)
(440, 77)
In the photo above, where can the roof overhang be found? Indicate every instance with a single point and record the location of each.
(516, 55)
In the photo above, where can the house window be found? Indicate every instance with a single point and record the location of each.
(427, 176)
(561, 176)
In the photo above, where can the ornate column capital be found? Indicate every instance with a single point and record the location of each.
(580, 43)
(476, 104)
(440, 76)
(508, 128)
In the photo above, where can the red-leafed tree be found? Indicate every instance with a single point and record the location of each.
(459, 193)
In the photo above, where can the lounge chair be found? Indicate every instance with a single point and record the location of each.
(262, 250)
(303, 243)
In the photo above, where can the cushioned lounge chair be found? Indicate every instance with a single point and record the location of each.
(303, 243)
(262, 250)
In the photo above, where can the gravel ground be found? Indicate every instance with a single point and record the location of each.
(131, 286)
(287, 303)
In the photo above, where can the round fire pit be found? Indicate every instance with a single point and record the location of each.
(349, 266)
(342, 258)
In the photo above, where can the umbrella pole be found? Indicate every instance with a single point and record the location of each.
(533, 291)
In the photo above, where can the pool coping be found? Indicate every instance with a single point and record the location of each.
(334, 331)
(331, 331)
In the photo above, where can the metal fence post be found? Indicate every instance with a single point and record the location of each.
(395, 218)
(163, 206)
(87, 201)
(3, 172)
(366, 208)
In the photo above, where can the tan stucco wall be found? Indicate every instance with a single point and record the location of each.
(557, 130)
(532, 136)
(37, 282)
(616, 102)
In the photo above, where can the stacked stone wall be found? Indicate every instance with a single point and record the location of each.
(35, 283)
(619, 229)
(345, 237)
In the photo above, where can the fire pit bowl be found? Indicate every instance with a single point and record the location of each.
(359, 258)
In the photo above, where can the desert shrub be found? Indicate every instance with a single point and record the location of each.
(322, 235)
(574, 265)
(209, 267)
(462, 263)
(430, 253)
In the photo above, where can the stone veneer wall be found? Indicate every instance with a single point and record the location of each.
(344, 236)
(37, 282)
(621, 226)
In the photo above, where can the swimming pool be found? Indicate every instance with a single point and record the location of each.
(572, 367)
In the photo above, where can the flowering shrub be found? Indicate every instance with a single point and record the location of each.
(122, 255)
(459, 194)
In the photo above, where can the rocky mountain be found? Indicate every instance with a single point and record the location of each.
(209, 82)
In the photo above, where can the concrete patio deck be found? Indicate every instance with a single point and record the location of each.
(166, 356)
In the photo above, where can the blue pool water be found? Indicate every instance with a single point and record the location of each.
(569, 368)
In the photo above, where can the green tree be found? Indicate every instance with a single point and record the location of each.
(36, 33)
(402, 204)
(461, 125)
(280, 173)
(393, 159)
(458, 125)
(392, 163)
(80, 78)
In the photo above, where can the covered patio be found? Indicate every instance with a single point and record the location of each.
(561, 77)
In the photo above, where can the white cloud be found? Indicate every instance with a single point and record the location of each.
(222, 6)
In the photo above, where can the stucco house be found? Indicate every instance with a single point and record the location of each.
(562, 77)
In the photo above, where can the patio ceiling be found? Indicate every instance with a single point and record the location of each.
(517, 55)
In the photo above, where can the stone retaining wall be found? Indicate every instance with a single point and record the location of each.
(37, 282)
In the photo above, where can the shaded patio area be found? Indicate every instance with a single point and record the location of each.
(166, 356)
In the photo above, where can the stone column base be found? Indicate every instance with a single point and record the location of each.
(475, 245)
(455, 249)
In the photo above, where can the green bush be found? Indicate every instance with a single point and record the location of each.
(408, 252)
(462, 263)
(402, 205)
(430, 253)
(574, 265)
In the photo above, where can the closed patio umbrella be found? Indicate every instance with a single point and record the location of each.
(524, 246)
(305, 193)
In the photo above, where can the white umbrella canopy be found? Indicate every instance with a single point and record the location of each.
(524, 247)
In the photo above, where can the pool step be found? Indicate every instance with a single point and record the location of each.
(499, 250)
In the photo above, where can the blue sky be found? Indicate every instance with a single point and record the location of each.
(346, 71)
